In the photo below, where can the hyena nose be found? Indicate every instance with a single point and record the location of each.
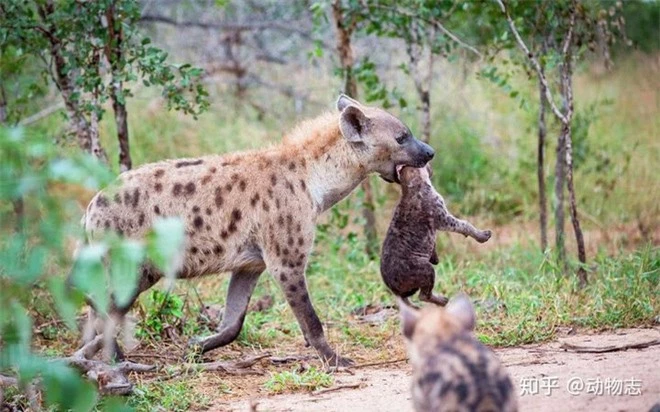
(428, 153)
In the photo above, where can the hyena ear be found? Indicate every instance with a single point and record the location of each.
(461, 308)
(409, 318)
(353, 123)
(344, 101)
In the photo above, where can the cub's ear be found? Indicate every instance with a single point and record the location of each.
(409, 318)
(461, 309)
(344, 101)
(353, 123)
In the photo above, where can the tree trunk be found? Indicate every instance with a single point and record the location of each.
(540, 169)
(86, 133)
(422, 83)
(567, 89)
(113, 55)
(345, 51)
(559, 197)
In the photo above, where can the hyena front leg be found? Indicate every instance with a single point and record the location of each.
(97, 323)
(241, 287)
(447, 222)
(289, 271)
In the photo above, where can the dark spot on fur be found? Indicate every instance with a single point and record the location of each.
(159, 173)
(117, 198)
(255, 199)
(265, 206)
(158, 187)
(185, 163)
(224, 234)
(273, 179)
(301, 241)
(242, 185)
(193, 250)
(127, 198)
(292, 166)
(228, 187)
(462, 391)
(107, 224)
(278, 251)
(280, 220)
(141, 219)
(198, 222)
(136, 198)
(303, 162)
(301, 283)
(285, 251)
(293, 288)
(298, 228)
(195, 209)
(218, 196)
(218, 249)
(283, 277)
(290, 187)
(213, 170)
(102, 201)
(208, 211)
(206, 179)
(277, 203)
(176, 190)
(190, 188)
(208, 227)
(290, 241)
(236, 215)
(303, 185)
(270, 193)
(234, 177)
(289, 219)
(157, 210)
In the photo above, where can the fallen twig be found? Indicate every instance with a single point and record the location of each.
(389, 362)
(236, 367)
(337, 388)
(614, 348)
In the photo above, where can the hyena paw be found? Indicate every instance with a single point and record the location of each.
(337, 361)
(484, 236)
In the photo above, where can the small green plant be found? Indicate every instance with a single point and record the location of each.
(177, 395)
(294, 381)
(163, 309)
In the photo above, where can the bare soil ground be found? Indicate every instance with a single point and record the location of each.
(604, 372)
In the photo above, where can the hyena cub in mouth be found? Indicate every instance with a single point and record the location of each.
(452, 370)
(409, 252)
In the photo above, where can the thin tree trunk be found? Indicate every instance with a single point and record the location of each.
(559, 196)
(86, 133)
(540, 169)
(346, 60)
(567, 88)
(422, 83)
(113, 55)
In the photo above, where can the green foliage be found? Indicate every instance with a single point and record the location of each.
(87, 36)
(178, 395)
(295, 381)
(42, 226)
(162, 309)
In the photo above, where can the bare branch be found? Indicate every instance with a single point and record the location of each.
(535, 62)
(433, 22)
(41, 114)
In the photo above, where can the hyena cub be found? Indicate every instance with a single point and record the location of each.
(409, 252)
(452, 370)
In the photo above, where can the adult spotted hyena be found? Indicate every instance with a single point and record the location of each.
(256, 210)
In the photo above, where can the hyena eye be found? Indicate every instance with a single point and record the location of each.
(402, 138)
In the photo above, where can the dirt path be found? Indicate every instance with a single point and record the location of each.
(594, 378)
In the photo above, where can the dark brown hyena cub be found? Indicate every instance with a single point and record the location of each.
(452, 370)
(409, 247)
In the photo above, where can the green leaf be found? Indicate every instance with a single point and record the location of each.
(126, 258)
(64, 302)
(165, 244)
(89, 274)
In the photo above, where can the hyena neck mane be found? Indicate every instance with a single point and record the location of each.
(334, 166)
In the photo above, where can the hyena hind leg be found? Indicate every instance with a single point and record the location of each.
(426, 288)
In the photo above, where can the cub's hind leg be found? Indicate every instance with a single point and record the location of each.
(426, 275)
